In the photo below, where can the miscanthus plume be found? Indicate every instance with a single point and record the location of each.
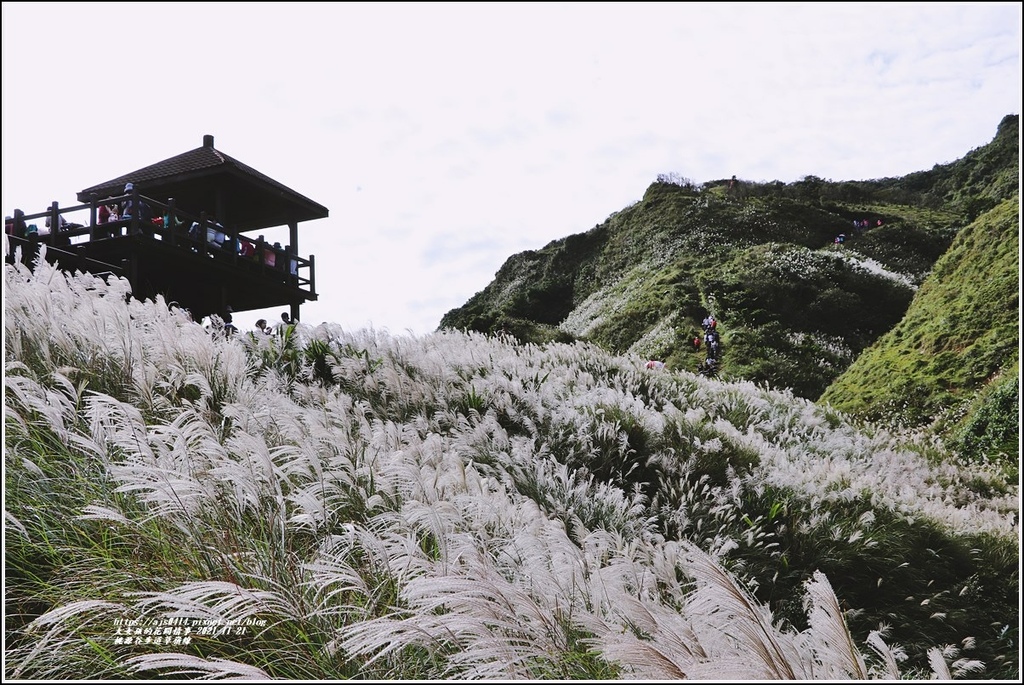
(327, 504)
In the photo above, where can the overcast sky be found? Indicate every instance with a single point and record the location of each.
(445, 137)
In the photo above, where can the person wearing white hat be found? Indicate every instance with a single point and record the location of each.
(127, 207)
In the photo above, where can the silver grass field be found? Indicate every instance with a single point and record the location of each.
(330, 504)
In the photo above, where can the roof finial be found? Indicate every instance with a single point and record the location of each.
(207, 140)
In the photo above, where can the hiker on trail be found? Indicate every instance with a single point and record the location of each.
(713, 348)
(655, 365)
(696, 343)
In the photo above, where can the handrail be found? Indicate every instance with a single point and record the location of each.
(174, 229)
(93, 265)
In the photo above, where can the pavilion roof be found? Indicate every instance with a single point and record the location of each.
(207, 180)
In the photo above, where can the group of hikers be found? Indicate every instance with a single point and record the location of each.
(712, 344)
(226, 323)
(859, 226)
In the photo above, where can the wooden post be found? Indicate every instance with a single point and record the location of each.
(172, 224)
(82, 261)
(20, 229)
(293, 235)
(134, 227)
(133, 271)
(54, 224)
(312, 274)
(202, 232)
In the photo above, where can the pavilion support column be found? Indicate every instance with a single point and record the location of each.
(223, 301)
(293, 240)
(133, 275)
(312, 273)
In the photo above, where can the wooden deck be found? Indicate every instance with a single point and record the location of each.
(165, 257)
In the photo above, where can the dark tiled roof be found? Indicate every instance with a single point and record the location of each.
(192, 176)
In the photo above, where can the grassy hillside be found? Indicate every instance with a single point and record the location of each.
(644, 279)
(953, 361)
(322, 504)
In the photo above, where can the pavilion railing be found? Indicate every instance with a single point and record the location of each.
(200, 234)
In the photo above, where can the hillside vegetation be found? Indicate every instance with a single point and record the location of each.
(956, 352)
(323, 504)
(795, 308)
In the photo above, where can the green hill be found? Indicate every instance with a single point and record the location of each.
(795, 309)
(952, 362)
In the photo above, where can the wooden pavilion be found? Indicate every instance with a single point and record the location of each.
(200, 243)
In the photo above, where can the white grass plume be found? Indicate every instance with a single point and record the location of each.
(213, 601)
(194, 667)
(60, 631)
(410, 516)
(834, 648)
